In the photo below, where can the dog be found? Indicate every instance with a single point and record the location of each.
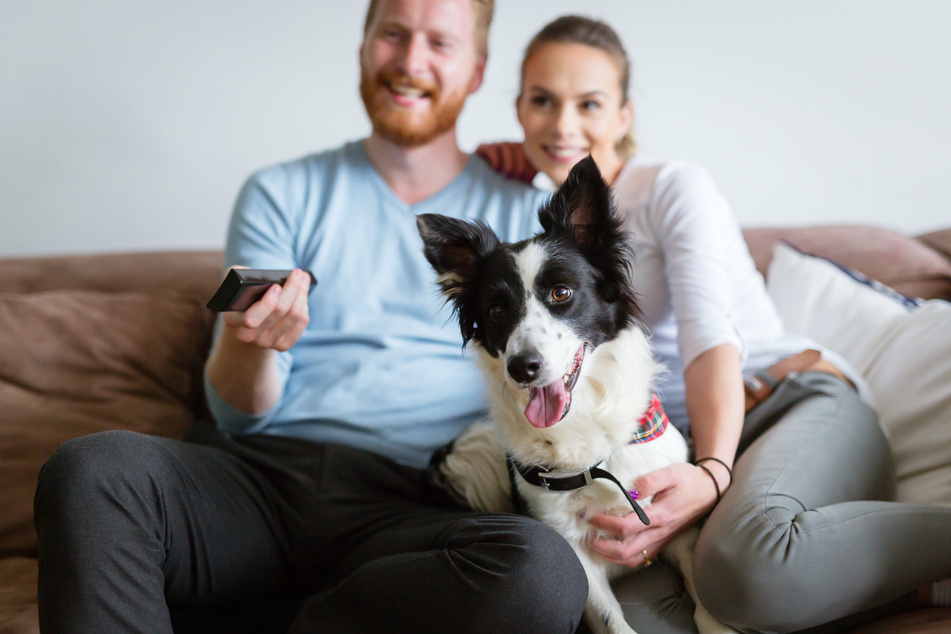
(568, 366)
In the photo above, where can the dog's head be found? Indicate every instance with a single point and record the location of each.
(540, 305)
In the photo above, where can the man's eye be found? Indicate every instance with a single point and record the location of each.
(540, 100)
(495, 313)
(560, 293)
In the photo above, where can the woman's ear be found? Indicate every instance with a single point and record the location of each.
(518, 108)
(627, 118)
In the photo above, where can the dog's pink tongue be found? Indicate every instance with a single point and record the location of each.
(546, 404)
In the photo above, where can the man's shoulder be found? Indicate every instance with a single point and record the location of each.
(496, 185)
(307, 167)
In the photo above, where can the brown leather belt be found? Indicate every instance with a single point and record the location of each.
(759, 386)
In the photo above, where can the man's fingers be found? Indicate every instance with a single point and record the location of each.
(263, 323)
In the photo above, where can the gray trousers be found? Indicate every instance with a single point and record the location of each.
(806, 537)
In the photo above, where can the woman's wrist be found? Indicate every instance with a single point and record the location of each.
(719, 472)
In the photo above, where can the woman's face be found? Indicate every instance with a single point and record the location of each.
(570, 106)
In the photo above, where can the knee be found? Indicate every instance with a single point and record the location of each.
(84, 470)
(744, 582)
(543, 587)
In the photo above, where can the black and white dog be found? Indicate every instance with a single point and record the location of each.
(568, 368)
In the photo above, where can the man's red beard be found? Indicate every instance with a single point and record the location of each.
(403, 126)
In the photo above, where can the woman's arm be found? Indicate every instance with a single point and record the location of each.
(715, 404)
(684, 492)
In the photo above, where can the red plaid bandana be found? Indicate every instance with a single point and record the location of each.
(651, 424)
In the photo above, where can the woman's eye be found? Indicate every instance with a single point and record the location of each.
(560, 293)
(495, 313)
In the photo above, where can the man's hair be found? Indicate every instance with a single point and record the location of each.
(483, 10)
(576, 29)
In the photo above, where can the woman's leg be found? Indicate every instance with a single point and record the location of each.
(802, 538)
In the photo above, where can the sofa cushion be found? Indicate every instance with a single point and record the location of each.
(939, 240)
(77, 362)
(906, 264)
(193, 274)
(18, 577)
(902, 347)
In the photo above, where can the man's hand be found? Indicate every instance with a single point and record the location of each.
(278, 319)
(682, 494)
(508, 159)
(242, 365)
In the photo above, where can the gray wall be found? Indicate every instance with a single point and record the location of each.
(131, 125)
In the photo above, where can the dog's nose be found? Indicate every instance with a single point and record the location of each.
(524, 367)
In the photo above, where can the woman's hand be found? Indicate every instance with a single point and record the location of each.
(682, 494)
(508, 159)
(278, 319)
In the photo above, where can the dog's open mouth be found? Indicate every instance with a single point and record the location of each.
(548, 405)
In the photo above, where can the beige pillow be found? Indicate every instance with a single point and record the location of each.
(901, 345)
(78, 362)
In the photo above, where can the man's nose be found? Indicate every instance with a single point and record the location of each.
(415, 55)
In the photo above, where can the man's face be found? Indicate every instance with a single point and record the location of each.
(418, 63)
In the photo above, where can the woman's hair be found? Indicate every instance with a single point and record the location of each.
(576, 29)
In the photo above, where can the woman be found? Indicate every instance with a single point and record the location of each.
(786, 543)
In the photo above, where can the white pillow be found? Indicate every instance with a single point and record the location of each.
(901, 345)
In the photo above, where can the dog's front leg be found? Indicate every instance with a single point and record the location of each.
(602, 611)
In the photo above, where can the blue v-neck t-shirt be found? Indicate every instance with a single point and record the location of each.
(381, 364)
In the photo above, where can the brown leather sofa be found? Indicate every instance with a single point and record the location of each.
(99, 342)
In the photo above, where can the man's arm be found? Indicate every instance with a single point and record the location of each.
(246, 370)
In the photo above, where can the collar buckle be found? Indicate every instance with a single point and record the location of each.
(546, 482)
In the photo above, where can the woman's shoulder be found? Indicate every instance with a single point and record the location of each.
(644, 170)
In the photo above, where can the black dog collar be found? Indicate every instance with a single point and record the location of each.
(541, 477)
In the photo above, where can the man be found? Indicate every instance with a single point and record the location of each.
(312, 508)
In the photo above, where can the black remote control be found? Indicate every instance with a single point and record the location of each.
(243, 287)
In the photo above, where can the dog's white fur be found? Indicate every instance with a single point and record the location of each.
(612, 392)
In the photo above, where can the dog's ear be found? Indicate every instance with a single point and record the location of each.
(583, 210)
(455, 248)
(581, 206)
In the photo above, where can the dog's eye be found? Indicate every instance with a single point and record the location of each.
(495, 313)
(560, 293)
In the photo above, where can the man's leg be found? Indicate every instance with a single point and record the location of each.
(130, 523)
(408, 561)
(799, 539)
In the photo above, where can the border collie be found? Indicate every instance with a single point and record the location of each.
(569, 369)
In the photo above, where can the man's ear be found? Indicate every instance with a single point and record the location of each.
(581, 205)
(455, 249)
(476, 81)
